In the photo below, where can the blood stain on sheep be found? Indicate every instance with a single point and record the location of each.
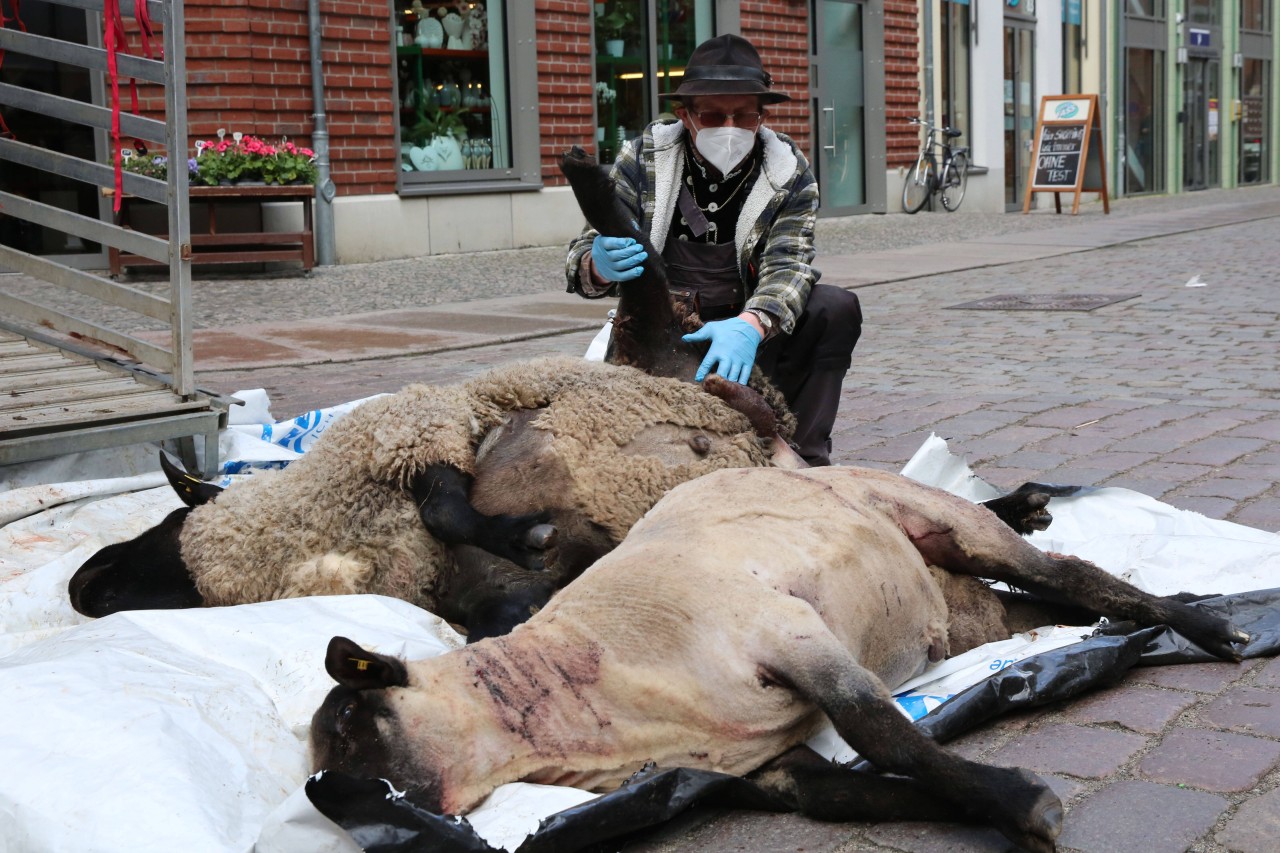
(520, 682)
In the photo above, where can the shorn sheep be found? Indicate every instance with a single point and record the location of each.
(743, 610)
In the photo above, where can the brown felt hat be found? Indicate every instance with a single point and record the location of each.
(726, 65)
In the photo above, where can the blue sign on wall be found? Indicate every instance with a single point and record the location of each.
(1071, 12)
(1199, 38)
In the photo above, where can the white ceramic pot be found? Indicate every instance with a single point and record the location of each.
(613, 47)
(442, 153)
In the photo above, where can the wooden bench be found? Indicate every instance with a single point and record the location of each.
(232, 247)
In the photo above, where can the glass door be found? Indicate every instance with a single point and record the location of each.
(1200, 131)
(641, 50)
(839, 105)
(1019, 109)
(69, 81)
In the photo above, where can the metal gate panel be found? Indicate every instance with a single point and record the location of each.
(63, 398)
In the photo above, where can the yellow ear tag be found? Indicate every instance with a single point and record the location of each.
(361, 664)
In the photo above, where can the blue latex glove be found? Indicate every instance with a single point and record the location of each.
(733, 349)
(617, 258)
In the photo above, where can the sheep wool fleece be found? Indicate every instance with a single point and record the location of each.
(341, 520)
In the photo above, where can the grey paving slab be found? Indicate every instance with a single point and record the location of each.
(1141, 817)
(1210, 761)
(1255, 827)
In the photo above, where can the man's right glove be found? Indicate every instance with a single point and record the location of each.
(617, 258)
(733, 349)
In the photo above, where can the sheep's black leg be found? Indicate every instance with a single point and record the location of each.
(1017, 802)
(958, 536)
(441, 493)
(645, 332)
(802, 781)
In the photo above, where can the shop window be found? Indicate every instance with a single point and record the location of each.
(641, 49)
(1255, 118)
(956, 62)
(456, 86)
(1255, 15)
(1204, 11)
(1072, 48)
(1145, 9)
(1144, 95)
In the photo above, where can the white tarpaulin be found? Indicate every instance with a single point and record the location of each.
(186, 730)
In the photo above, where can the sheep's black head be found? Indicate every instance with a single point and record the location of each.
(147, 572)
(357, 730)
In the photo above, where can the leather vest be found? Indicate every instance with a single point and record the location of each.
(705, 276)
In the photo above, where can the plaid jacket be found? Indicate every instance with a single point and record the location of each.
(774, 234)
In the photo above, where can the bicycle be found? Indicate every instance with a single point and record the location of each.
(925, 178)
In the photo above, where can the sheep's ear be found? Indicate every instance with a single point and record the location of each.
(359, 669)
(191, 490)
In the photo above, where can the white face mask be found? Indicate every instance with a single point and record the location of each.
(724, 147)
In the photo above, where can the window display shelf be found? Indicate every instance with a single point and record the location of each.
(440, 52)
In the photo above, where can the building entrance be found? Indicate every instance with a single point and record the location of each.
(1202, 109)
(1019, 109)
(839, 104)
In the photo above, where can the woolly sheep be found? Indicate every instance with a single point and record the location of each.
(344, 519)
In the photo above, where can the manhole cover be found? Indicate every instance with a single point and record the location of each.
(1045, 302)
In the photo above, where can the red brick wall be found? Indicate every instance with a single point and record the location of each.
(902, 80)
(565, 96)
(248, 70)
(780, 31)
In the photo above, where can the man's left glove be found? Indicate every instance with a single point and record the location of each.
(733, 349)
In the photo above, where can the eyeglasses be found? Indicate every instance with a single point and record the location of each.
(710, 118)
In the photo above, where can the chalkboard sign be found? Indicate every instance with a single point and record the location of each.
(1069, 152)
(1058, 157)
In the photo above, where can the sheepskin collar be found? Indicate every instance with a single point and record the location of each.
(777, 170)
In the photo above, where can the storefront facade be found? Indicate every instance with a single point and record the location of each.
(446, 118)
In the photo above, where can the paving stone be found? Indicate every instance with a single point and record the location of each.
(1200, 677)
(973, 744)
(1212, 761)
(1140, 817)
(1075, 750)
(1229, 487)
(750, 832)
(1141, 710)
(1218, 508)
(1216, 450)
(1270, 675)
(917, 837)
(1255, 827)
(1249, 709)
(1264, 515)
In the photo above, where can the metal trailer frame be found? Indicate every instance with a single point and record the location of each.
(55, 405)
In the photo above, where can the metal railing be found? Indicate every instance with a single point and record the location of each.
(174, 360)
(105, 416)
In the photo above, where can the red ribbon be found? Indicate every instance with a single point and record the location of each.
(113, 29)
(17, 19)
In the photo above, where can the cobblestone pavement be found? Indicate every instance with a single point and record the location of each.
(1173, 391)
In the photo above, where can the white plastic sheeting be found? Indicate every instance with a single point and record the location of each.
(171, 730)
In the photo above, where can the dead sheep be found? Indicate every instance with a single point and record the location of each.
(745, 609)
(545, 464)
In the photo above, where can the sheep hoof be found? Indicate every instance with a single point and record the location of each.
(1025, 508)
